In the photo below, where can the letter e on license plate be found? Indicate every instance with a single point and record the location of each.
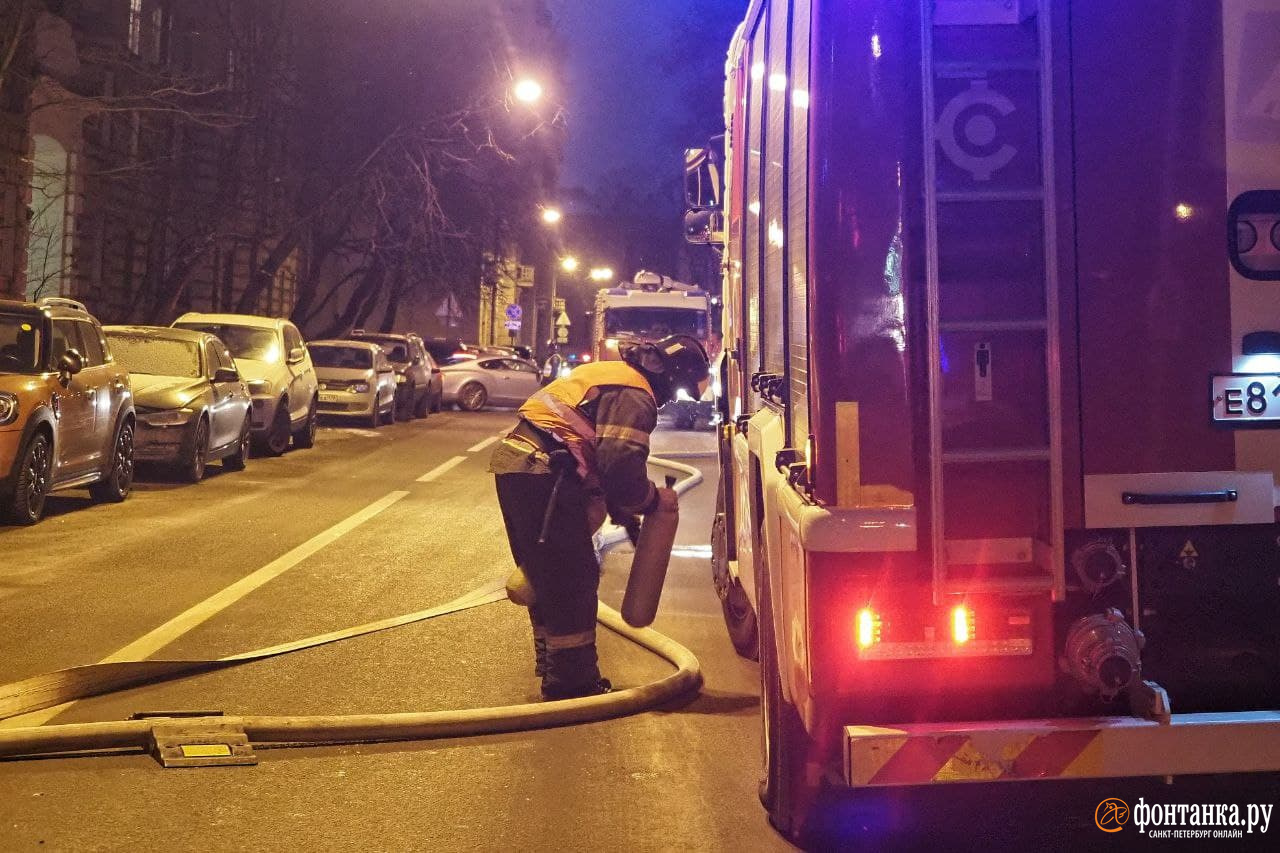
(1246, 400)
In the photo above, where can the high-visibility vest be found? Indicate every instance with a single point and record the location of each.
(556, 408)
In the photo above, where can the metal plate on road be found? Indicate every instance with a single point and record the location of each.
(1244, 400)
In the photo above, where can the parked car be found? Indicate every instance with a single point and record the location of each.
(357, 380)
(419, 388)
(274, 363)
(444, 349)
(476, 383)
(66, 409)
(191, 403)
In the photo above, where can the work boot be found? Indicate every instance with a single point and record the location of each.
(600, 686)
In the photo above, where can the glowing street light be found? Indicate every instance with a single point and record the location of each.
(569, 264)
(527, 91)
(551, 215)
(601, 274)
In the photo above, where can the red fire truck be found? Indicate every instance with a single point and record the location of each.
(1002, 318)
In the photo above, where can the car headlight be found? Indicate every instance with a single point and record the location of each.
(8, 408)
(401, 379)
(259, 387)
(358, 387)
(169, 418)
(683, 396)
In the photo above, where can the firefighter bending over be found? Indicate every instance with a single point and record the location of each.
(579, 453)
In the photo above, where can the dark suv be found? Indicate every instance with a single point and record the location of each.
(419, 387)
(66, 408)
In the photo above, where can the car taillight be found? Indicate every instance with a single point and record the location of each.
(868, 628)
(961, 625)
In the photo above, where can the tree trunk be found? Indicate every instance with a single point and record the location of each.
(365, 294)
(265, 273)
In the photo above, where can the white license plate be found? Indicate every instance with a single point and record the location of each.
(332, 398)
(1246, 399)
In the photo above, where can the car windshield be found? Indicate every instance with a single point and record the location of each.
(242, 341)
(19, 344)
(353, 358)
(655, 323)
(154, 356)
(396, 350)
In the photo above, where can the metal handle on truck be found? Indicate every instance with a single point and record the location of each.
(1224, 496)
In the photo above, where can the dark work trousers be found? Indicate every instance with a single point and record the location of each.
(563, 571)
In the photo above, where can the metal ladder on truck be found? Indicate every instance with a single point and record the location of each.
(989, 177)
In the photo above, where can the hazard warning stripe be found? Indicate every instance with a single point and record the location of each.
(1049, 756)
(982, 757)
(1071, 748)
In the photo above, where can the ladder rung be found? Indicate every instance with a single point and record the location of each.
(969, 67)
(991, 195)
(1028, 585)
(1005, 454)
(993, 326)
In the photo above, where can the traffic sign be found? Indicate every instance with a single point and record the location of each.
(515, 313)
(562, 334)
(562, 320)
(512, 325)
(450, 311)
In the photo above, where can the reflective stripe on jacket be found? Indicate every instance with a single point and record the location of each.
(557, 409)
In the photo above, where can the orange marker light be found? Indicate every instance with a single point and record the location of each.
(961, 625)
(868, 628)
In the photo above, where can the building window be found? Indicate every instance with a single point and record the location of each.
(135, 26)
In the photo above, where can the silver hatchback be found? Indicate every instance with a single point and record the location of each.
(357, 380)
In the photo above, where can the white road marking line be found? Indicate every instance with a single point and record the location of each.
(441, 469)
(476, 448)
(148, 644)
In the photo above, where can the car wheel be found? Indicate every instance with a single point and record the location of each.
(389, 413)
(404, 402)
(472, 397)
(239, 458)
(193, 469)
(437, 402)
(277, 440)
(422, 408)
(306, 437)
(31, 486)
(118, 479)
(375, 420)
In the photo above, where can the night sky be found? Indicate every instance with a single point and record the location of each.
(644, 79)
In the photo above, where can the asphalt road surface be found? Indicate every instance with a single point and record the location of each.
(378, 524)
(91, 581)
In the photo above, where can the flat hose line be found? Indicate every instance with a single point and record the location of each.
(56, 688)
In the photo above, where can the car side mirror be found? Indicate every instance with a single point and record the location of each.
(296, 355)
(70, 364)
(226, 374)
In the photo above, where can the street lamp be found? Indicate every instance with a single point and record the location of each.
(552, 215)
(601, 274)
(527, 90)
(569, 264)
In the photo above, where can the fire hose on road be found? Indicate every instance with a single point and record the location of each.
(64, 686)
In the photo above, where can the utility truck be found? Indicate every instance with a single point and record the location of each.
(649, 308)
(1001, 388)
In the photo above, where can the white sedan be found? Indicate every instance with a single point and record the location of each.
(473, 384)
